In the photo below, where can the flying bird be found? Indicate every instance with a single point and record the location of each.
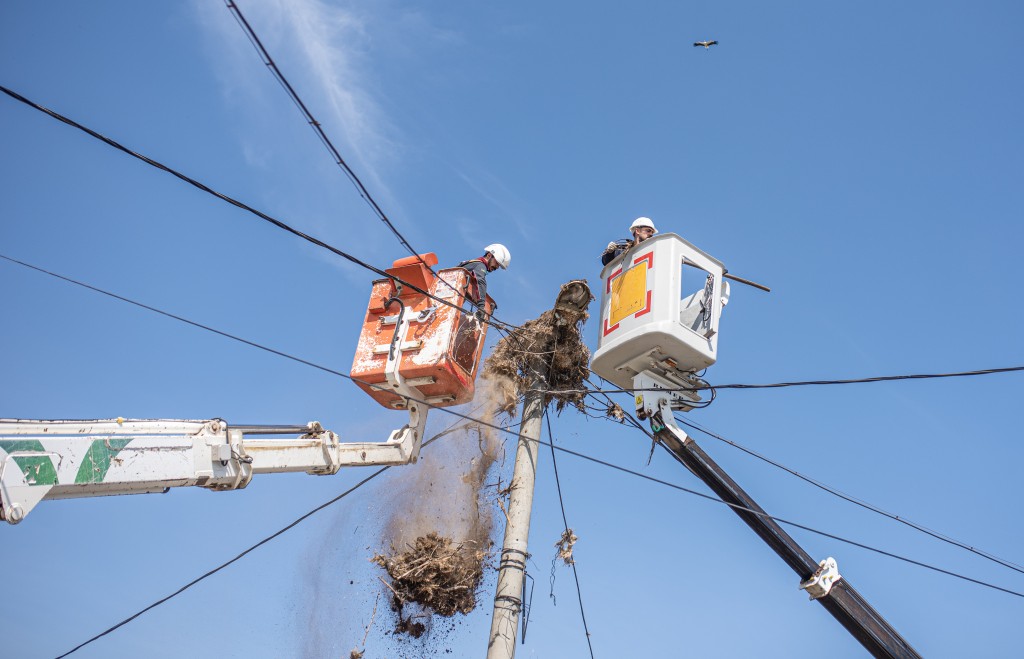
(706, 44)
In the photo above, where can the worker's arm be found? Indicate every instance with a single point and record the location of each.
(613, 249)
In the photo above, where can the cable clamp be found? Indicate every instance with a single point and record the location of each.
(821, 582)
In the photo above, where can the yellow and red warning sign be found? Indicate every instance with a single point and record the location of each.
(630, 293)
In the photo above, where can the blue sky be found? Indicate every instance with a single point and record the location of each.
(865, 161)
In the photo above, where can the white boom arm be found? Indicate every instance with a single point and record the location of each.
(67, 459)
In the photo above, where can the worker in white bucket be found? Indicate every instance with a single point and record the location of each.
(642, 229)
(495, 256)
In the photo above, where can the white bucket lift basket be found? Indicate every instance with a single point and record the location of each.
(660, 305)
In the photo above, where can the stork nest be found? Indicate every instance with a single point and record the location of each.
(555, 340)
(435, 573)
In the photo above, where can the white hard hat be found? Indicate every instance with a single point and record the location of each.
(642, 222)
(500, 254)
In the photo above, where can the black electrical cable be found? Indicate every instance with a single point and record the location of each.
(239, 339)
(785, 521)
(846, 497)
(365, 194)
(234, 202)
(579, 455)
(314, 124)
(935, 534)
(565, 522)
(259, 544)
(639, 426)
(807, 383)
(498, 324)
(559, 448)
(318, 129)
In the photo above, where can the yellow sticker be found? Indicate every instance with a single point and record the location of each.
(629, 293)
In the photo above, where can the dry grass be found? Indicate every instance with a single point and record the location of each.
(565, 545)
(435, 573)
(554, 339)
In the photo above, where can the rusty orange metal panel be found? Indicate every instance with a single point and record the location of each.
(445, 346)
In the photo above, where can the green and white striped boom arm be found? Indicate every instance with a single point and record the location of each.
(67, 459)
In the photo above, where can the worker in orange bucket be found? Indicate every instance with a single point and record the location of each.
(495, 256)
(642, 229)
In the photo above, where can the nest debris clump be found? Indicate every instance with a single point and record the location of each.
(556, 338)
(435, 573)
(565, 545)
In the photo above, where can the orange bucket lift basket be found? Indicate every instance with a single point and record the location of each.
(412, 345)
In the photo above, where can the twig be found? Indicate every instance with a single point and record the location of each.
(400, 598)
(372, 616)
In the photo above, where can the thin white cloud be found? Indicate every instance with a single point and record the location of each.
(494, 191)
(321, 50)
(332, 41)
(324, 50)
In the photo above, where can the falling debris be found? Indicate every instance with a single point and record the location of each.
(565, 545)
(706, 44)
(557, 335)
(356, 653)
(615, 412)
(436, 543)
(407, 626)
(435, 573)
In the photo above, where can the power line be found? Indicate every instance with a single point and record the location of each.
(636, 424)
(178, 318)
(565, 522)
(570, 452)
(559, 448)
(854, 500)
(234, 202)
(373, 204)
(259, 544)
(806, 383)
(317, 127)
(313, 123)
(250, 343)
(827, 488)
(245, 341)
(785, 521)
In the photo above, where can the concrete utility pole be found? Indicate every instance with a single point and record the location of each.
(508, 602)
(508, 597)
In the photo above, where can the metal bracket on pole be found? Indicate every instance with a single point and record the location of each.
(820, 583)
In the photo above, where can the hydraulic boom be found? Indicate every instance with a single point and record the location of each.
(67, 459)
(821, 580)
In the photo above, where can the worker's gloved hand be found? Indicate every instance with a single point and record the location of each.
(481, 315)
(611, 247)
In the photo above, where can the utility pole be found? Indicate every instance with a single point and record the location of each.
(573, 299)
(508, 597)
